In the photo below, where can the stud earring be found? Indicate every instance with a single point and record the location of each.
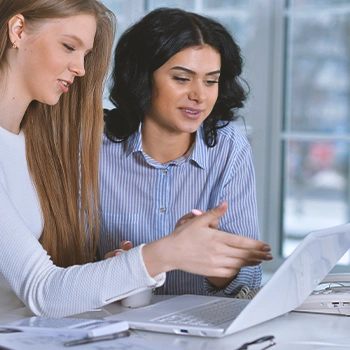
(14, 45)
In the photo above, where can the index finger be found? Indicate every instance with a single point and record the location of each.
(247, 243)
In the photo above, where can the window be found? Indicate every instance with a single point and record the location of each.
(296, 56)
(312, 142)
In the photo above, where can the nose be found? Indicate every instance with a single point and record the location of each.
(197, 92)
(78, 66)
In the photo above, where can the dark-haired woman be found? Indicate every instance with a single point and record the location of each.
(171, 145)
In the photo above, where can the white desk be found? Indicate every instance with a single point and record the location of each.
(299, 331)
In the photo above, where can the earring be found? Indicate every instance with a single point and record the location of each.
(14, 45)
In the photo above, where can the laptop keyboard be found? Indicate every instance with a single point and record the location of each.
(210, 314)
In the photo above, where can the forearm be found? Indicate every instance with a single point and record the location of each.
(61, 292)
(240, 219)
(52, 291)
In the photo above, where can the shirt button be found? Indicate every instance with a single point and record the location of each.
(162, 210)
(165, 171)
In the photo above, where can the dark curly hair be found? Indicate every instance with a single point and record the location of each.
(149, 44)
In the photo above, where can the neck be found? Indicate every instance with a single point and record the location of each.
(165, 147)
(13, 104)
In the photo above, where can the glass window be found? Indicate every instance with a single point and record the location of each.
(316, 124)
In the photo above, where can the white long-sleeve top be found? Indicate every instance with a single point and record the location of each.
(27, 275)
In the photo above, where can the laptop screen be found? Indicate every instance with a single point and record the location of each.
(298, 276)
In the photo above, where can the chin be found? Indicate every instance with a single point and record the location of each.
(50, 101)
(191, 129)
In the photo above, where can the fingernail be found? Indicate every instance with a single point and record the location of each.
(196, 212)
(127, 242)
(118, 252)
(266, 248)
(268, 257)
(221, 206)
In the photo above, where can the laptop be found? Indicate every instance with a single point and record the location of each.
(287, 289)
(332, 296)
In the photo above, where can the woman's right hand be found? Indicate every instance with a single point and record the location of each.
(197, 248)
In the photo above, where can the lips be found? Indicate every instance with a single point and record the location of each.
(64, 84)
(191, 113)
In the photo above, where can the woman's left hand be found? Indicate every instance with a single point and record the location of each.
(193, 214)
(124, 245)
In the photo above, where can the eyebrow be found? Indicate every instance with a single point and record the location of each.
(193, 72)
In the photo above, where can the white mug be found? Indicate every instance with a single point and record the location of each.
(139, 299)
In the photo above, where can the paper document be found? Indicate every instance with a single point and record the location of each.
(30, 341)
(75, 326)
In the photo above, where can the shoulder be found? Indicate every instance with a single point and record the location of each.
(12, 147)
(233, 145)
(108, 144)
(232, 148)
(2, 176)
(106, 141)
(109, 151)
(232, 135)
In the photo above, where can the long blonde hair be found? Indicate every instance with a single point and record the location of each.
(63, 141)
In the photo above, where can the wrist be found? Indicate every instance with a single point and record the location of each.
(156, 258)
(221, 282)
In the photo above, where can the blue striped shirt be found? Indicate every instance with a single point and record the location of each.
(141, 199)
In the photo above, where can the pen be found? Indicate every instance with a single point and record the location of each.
(100, 338)
(9, 330)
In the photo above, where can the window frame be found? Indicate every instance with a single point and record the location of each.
(270, 200)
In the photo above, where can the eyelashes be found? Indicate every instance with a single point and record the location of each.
(212, 82)
(184, 80)
(68, 47)
(180, 79)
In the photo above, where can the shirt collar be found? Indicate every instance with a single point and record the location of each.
(199, 154)
(134, 144)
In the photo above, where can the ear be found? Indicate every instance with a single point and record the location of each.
(15, 27)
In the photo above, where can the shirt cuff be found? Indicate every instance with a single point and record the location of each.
(247, 276)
